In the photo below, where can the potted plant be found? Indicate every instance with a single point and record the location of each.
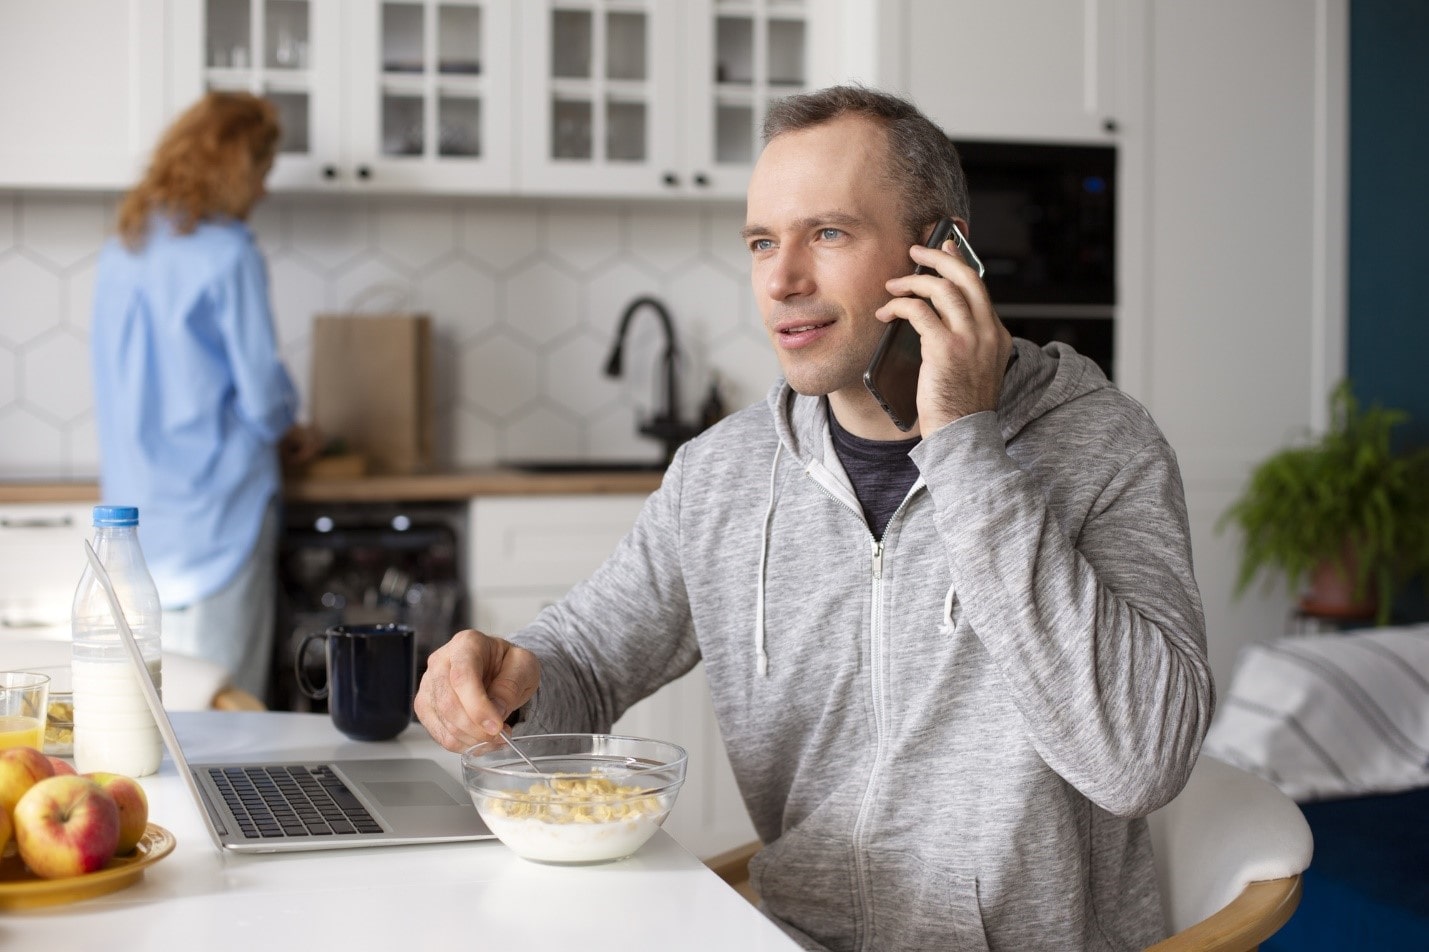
(1343, 511)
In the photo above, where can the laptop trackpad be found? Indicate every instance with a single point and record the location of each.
(409, 793)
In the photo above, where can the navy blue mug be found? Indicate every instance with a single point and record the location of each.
(371, 678)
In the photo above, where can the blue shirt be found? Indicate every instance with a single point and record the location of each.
(190, 399)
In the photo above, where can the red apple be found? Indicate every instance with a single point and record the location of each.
(66, 826)
(62, 767)
(20, 769)
(132, 803)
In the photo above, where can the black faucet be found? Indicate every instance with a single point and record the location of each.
(665, 425)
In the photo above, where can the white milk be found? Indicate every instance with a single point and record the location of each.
(113, 728)
(547, 841)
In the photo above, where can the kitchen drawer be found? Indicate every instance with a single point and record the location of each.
(41, 558)
(548, 542)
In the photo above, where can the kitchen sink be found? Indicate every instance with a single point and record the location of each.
(584, 466)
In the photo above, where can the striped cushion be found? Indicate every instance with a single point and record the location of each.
(1330, 715)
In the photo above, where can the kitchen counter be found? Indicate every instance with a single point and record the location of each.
(437, 896)
(432, 487)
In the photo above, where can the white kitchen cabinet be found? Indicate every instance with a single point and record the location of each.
(526, 552)
(1039, 70)
(83, 98)
(41, 559)
(647, 97)
(375, 95)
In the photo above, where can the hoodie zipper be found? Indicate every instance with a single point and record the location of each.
(876, 677)
(878, 672)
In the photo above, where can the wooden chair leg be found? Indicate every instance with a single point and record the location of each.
(733, 867)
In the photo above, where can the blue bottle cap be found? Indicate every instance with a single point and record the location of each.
(109, 516)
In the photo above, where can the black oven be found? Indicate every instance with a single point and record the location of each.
(1044, 224)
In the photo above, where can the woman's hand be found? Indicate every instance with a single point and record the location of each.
(299, 446)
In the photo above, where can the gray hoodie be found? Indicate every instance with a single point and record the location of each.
(946, 738)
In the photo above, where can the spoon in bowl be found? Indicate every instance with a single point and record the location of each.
(506, 735)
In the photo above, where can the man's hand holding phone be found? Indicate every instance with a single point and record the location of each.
(961, 343)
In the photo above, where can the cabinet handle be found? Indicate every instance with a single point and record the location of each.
(701, 179)
(63, 522)
(329, 172)
(24, 624)
(1109, 125)
(670, 178)
(364, 173)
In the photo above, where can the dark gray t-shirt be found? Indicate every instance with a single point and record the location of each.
(880, 470)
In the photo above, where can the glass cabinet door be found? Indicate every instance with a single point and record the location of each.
(654, 97)
(433, 109)
(603, 103)
(286, 51)
(759, 53)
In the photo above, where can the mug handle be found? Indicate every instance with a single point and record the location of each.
(316, 693)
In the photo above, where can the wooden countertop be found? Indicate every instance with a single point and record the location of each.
(448, 486)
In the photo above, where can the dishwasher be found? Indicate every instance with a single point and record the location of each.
(365, 563)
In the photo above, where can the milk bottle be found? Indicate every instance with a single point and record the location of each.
(113, 728)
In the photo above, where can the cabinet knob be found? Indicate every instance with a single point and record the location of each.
(670, 178)
(364, 173)
(1109, 125)
(701, 179)
(329, 172)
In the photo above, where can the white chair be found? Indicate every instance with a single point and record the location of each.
(1229, 853)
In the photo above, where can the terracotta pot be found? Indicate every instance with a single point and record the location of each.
(1331, 592)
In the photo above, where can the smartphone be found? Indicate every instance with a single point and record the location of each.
(892, 375)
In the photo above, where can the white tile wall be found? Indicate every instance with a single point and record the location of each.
(525, 296)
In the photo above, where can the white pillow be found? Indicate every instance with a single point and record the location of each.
(1330, 715)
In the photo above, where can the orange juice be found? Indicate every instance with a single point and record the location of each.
(17, 730)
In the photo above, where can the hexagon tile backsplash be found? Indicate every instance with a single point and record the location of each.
(525, 297)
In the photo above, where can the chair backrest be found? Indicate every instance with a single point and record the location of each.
(1226, 829)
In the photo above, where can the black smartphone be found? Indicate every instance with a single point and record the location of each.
(892, 375)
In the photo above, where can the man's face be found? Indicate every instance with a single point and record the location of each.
(824, 234)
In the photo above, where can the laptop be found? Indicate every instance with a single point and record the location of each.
(266, 807)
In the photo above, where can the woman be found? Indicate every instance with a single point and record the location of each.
(192, 401)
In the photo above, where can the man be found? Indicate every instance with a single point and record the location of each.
(952, 672)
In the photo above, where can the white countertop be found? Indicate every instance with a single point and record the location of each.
(457, 896)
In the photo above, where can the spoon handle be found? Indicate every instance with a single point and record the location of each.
(506, 734)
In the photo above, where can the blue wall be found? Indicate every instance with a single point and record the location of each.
(1388, 346)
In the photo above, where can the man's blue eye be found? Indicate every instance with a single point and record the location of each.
(830, 234)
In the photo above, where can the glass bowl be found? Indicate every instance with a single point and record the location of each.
(59, 712)
(598, 797)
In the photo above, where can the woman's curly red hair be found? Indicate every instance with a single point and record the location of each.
(209, 163)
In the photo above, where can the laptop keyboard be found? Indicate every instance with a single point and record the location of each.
(273, 802)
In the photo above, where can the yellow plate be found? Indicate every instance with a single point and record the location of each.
(21, 889)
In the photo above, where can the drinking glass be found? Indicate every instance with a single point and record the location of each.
(24, 697)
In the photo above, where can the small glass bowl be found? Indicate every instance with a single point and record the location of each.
(598, 797)
(59, 717)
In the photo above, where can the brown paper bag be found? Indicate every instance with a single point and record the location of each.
(372, 387)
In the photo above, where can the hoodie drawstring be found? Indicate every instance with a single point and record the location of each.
(762, 657)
